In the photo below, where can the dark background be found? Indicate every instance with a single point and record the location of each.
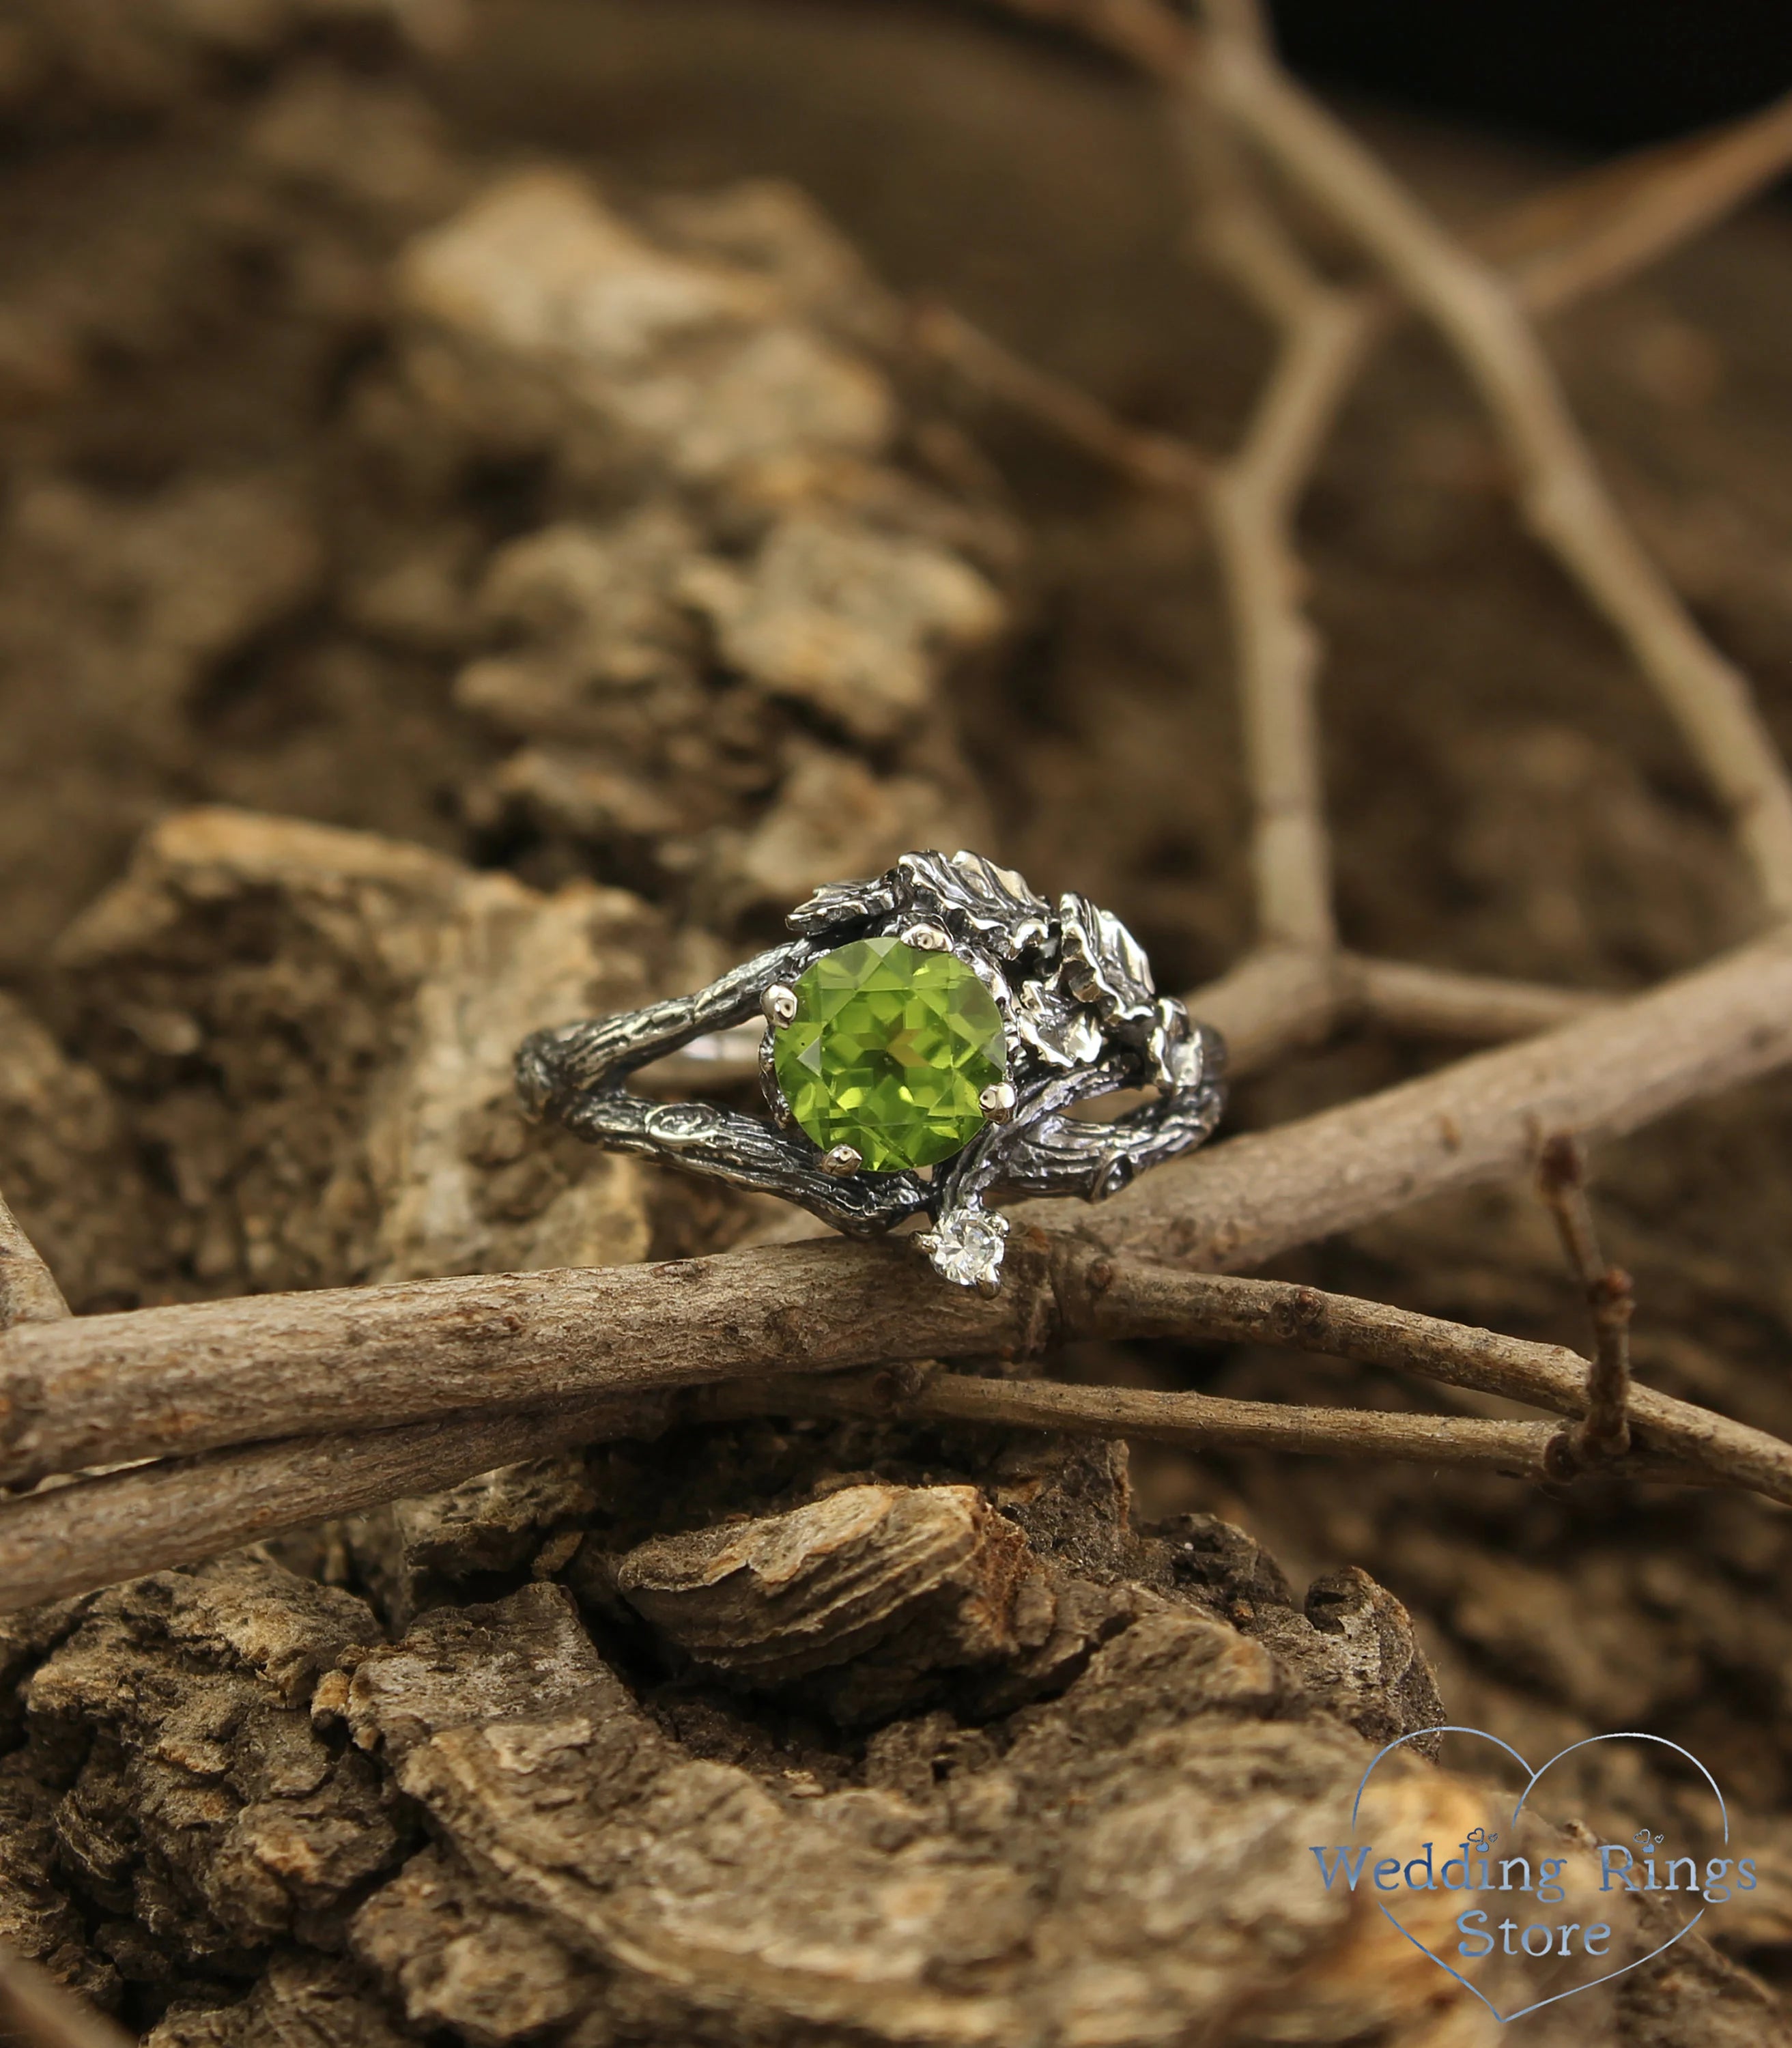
(1603, 74)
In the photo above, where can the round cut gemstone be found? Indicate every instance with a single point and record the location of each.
(889, 1051)
(968, 1245)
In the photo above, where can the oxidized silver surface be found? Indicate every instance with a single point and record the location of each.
(1081, 1018)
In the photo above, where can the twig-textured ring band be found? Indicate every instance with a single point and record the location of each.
(926, 1035)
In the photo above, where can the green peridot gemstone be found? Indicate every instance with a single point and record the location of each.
(889, 1051)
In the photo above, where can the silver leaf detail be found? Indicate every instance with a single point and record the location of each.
(837, 906)
(1102, 965)
(1062, 1033)
(1177, 1054)
(982, 902)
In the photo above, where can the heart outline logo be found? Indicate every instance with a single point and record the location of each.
(1524, 1763)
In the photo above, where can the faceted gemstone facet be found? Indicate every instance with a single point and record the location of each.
(968, 1245)
(889, 1051)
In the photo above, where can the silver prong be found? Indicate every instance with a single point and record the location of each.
(779, 1003)
(997, 1102)
(988, 1289)
(841, 1160)
(928, 1241)
(927, 939)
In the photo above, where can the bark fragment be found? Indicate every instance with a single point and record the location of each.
(708, 364)
(304, 2001)
(313, 1030)
(1016, 1891)
(193, 1810)
(895, 1582)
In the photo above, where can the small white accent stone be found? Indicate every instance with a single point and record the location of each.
(967, 1248)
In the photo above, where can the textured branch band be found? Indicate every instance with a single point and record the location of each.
(942, 1016)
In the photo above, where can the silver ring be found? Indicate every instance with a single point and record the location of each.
(926, 1035)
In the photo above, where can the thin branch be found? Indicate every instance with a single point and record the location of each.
(1482, 317)
(1253, 500)
(1283, 999)
(1595, 232)
(1599, 231)
(94, 1532)
(1564, 245)
(1602, 1432)
(1241, 1202)
(1143, 32)
(1250, 499)
(37, 2012)
(1434, 1002)
(1164, 1303)
(201, 1376)
(1155, 462)
(1279, 650)
(1565, 503)
(1157, 1302)
(1572, 242)
(197, 1376)
(1191, 1422)
(1277, 1000)
(1561, 1182)
(28, 1290)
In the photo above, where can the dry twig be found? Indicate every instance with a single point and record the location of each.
(1564, 502)
(1295, 987)
(1156, 462)
(1596, 230)
(28, 1290)
(1191, 1422)
(1565, 245)
(94, 1532)
(1431, 1002)
(65, 1539)
(1280, 998)
(37, 2012)
(1276, 1000)
(1142, 1300)
(1242, 1202)
(1603, 1431)
(1228, 71)
(1252, 501)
